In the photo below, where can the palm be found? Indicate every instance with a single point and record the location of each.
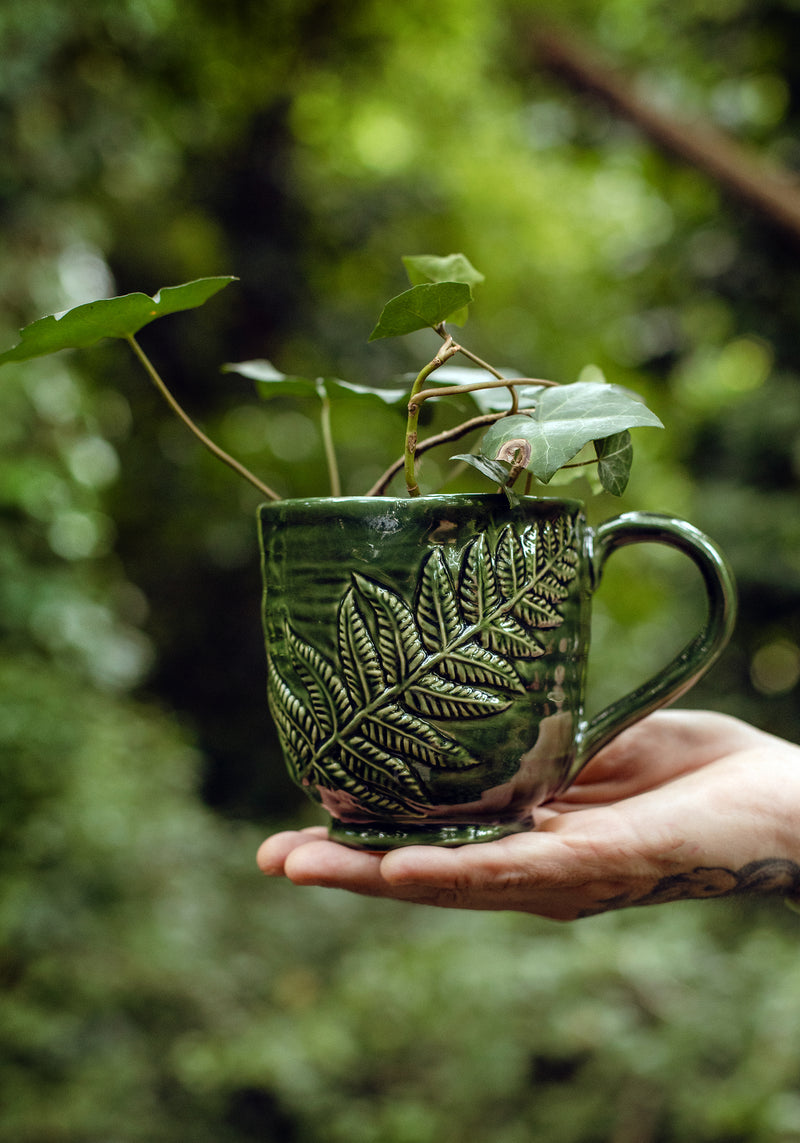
(657, 750)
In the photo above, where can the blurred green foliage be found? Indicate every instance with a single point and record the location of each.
(153, 986)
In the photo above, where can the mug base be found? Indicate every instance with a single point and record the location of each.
(379, 837)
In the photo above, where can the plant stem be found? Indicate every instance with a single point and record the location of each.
(445, 353)
(418, 395)
(454, 434)
(154, 376)
(501, 380)
(581, 463)
(440, 329)
(327, 439)
(500, 383)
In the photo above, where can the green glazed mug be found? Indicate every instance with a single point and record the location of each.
(427, 657)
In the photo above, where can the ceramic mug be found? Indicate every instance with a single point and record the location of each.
(427, 657)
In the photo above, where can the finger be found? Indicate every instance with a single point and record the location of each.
(510, 866)
(273, 852)
(335, 866)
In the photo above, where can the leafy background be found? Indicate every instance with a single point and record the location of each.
(154, 987)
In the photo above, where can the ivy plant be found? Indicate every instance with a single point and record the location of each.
(532, 426)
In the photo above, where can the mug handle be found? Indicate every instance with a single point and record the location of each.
(697, 656)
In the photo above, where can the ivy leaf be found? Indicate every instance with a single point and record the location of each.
(421, 307)
(109, 317)
(614, 457)
(497, 470)
(423, 268)
(277, 384)
(565, 418)
(257, 370)
(271, 382)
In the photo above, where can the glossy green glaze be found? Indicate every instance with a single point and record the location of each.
(427, 657)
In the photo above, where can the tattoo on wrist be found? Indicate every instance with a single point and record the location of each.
(771, 875)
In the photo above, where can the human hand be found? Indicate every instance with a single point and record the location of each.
(681, 805)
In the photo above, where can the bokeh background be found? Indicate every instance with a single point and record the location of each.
(153, 987)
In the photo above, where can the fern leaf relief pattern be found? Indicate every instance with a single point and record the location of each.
(370, 722)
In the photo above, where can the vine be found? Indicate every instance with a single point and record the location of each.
(547, 423)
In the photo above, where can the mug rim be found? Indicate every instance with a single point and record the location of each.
(483, 499)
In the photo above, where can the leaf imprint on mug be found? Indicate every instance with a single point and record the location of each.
(367, 723)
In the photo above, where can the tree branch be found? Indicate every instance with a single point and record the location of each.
(760, 184)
